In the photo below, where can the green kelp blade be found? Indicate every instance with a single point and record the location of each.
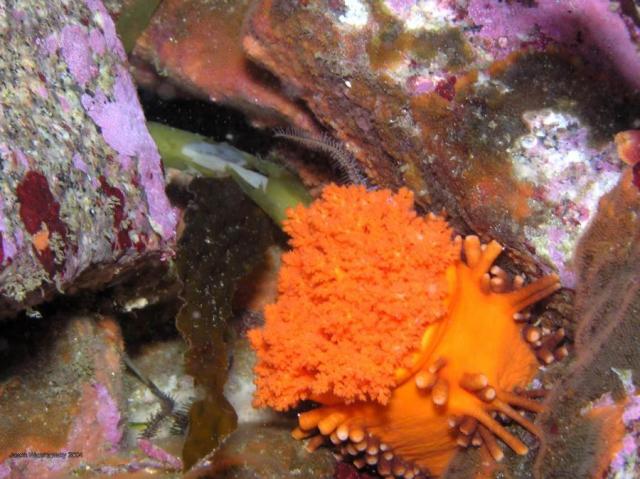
(276, 197)
(225, 237)
(183, 150)
(133, 19)
(271, 186)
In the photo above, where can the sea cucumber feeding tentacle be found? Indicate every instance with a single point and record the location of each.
(466, 366)
(478, 359)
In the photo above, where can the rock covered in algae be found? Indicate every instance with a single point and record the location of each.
(253, 452)
(197, 44)
(502, 112)
(61, 395)
(81, 180)
(592, 414)
(64, 400)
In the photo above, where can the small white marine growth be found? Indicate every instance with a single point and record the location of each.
(356, 14)
(569, 176)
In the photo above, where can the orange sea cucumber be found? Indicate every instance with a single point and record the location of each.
(408, 349)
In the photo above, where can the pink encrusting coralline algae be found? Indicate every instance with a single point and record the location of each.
(81, 178)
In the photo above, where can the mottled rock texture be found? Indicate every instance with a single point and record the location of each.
(198, 45)
(254, 451)
(502, 112)
(82, 190)
(60, 394)
(591, 408)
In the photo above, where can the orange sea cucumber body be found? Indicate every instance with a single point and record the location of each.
(407, 348)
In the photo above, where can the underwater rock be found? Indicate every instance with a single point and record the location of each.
(162, 363)
(131, 18)
(501, 112)
(591, 416)
(347, 471)
(115, 7)
(158, 418)
(262, 446)
(198, 45)
(240, 388)
(82, 186)
(253, 452)
(61, 395)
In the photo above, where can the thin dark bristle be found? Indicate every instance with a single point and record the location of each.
(169, 407)
(326, 144)
(168, 403)
(153, 424)
(179, 416)
(180, 422)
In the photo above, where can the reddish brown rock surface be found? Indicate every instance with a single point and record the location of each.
(593, 413)
(492, 110)
(64, 400)
(197, 44)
